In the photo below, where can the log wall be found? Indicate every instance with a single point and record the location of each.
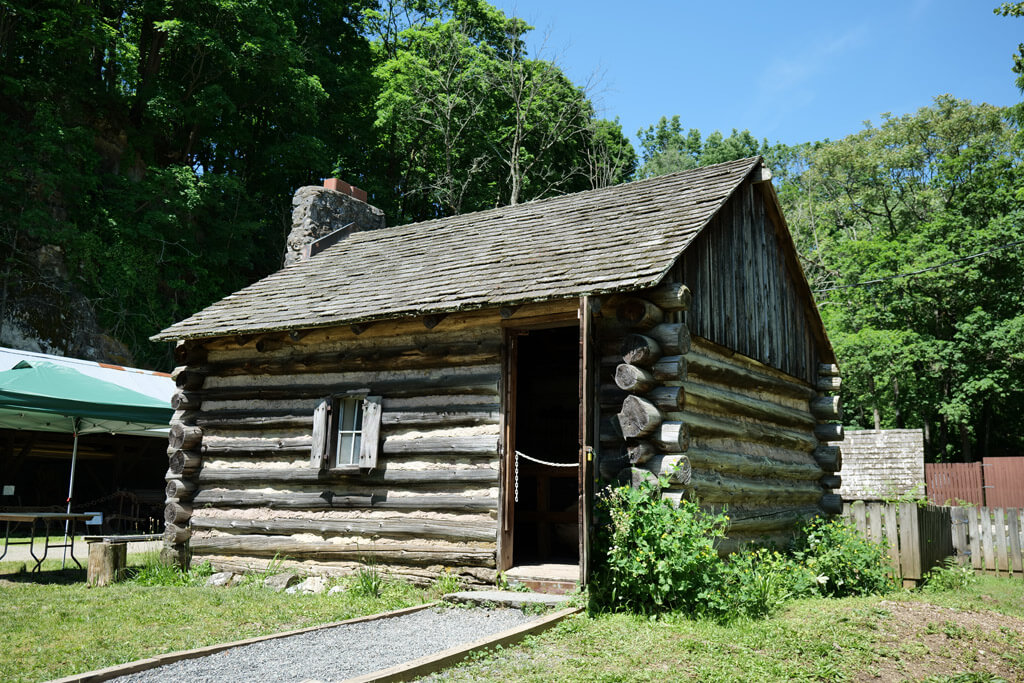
(241, 490)
(714, 425)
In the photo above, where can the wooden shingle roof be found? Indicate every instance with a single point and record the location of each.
(612, 239)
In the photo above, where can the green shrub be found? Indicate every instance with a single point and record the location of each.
(950, 576)
(656, 556)
(759, 581)
(844, 561)
(652, 556)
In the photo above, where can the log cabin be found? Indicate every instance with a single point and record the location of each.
(447, 396)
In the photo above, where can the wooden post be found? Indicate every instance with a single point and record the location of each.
(670, 296)
(829, 458)
(828, 432)
(826, 408)
(892, 535)
(634, 379)
(1000, 533)
(638, 349)
(959, 528)
(910, 543)
(638, 417)
(640, 452)
(673, 338)
(875, 523)
(107, 563)
(1013, 525)
(860, 518)
(987, 547)
(183, 437)
(639, 314)
(974, 530)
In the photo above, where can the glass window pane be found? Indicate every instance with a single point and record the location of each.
(345, 449)
(358, 439)
(347, 414)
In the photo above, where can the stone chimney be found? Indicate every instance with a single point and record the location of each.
(321, 211)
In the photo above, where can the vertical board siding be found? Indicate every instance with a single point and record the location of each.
(951, 482)
(995, 482)
(989, 539)
(1004, 481)
(744, 296)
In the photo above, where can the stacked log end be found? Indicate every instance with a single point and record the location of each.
(648, 383)
(184, 448)
(704, 424)
(827, 409)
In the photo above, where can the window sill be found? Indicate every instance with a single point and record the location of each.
(345, 469)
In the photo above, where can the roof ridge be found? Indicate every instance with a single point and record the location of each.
(665, 177)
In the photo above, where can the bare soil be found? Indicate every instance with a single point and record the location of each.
(920, 640)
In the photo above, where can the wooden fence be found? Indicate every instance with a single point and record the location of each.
(1004, 482)
(952, 482)
(918, 538)
(995, 482)
(989, 538)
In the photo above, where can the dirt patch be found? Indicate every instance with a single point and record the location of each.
(919, 640)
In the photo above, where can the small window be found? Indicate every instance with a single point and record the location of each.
(349, 431)
(346, 431)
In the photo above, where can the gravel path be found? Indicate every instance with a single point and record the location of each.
(340, 652)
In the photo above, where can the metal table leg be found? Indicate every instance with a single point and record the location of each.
(7, 540)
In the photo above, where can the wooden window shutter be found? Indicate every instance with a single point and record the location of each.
(318, 456)
(370, 443)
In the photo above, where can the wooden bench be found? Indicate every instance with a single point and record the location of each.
(108, 556)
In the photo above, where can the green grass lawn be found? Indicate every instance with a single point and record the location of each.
(976, 634)
(53, 629)
(61, 627)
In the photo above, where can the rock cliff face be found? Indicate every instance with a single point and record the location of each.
(43, 312)
(318, 211)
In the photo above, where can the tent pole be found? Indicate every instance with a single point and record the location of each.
(71, 488)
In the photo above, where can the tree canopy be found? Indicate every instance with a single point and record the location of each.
(158, 143)
(912, 236)
(666, 148)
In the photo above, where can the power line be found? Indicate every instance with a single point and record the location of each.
(1009, 245)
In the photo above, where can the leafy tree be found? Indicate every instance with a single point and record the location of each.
(610, 156)
(666, 148)
(466, 120)
(912, 234)
(158, 143)
(152, 147)
(1016, 9)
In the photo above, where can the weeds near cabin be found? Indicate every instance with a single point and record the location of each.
(844, 561)
(446, 583)
(154, 571)
(949, 576)
(368, 581)
(655, 556)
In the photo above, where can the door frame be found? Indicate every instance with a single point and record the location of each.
(586, 424)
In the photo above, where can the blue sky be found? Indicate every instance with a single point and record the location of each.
(787, 71)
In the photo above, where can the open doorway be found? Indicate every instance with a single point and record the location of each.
(546, 403)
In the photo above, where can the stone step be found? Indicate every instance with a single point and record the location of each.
(517, 599)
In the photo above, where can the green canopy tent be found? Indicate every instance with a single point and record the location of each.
(42, 396)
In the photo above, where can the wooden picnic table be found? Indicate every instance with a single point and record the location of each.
(47, 518)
